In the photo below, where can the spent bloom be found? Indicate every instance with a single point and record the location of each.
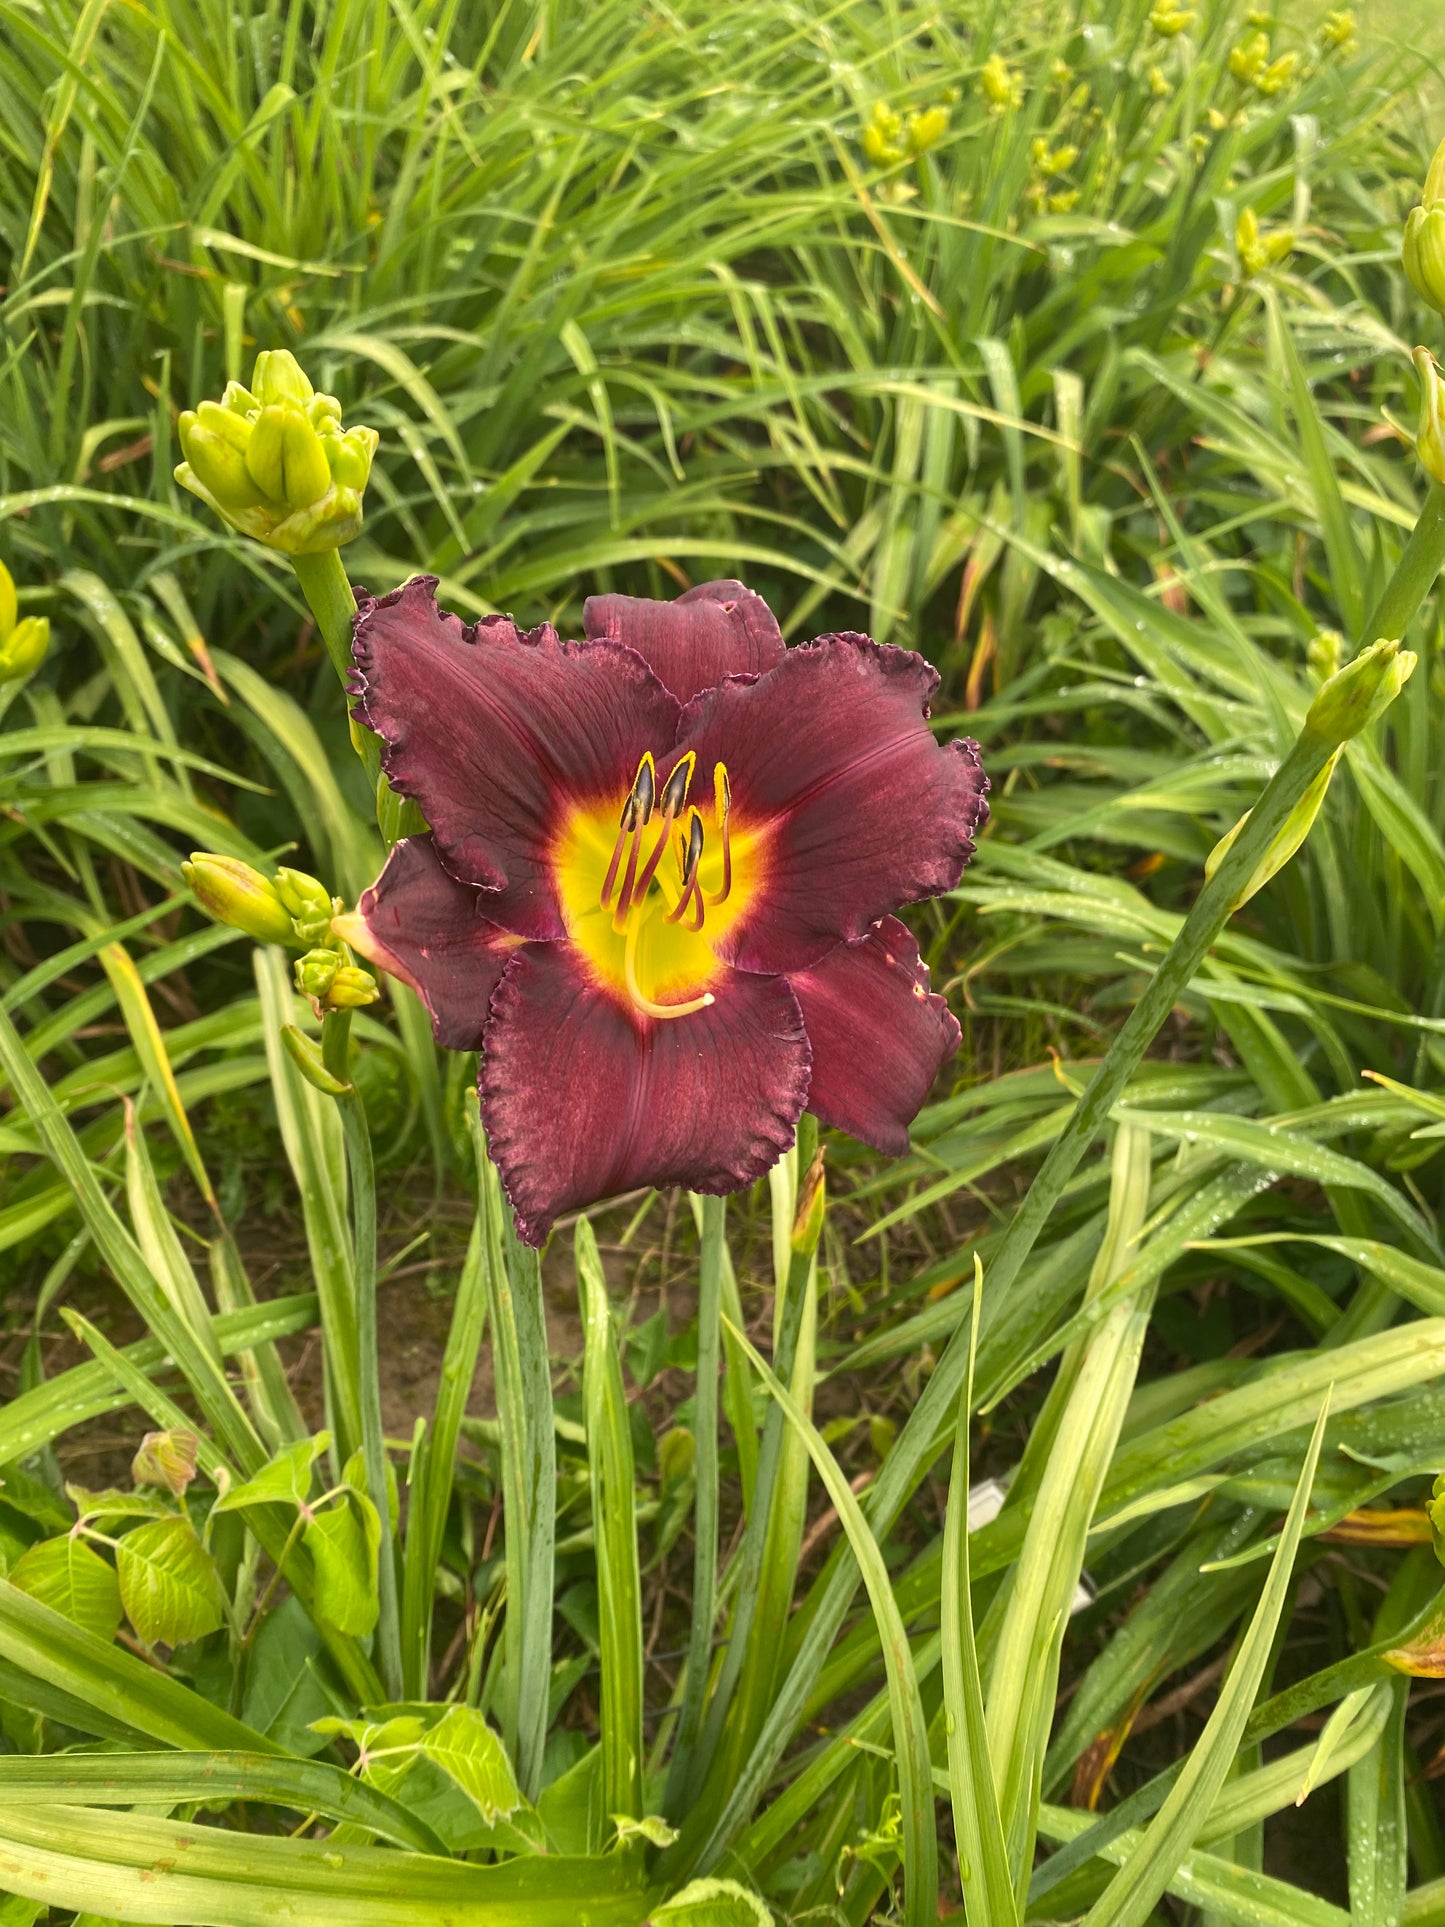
(274, 461)
(1423, 253)
(23, 639)
(658, 887)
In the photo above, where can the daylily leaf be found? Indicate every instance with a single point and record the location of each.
(712, 1903)
(469, 1752)
(168, 1582)
(286, 1480)
(70, 1577)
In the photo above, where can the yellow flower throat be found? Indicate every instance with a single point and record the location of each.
(647, 891)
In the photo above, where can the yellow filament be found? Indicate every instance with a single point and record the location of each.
(634, 990)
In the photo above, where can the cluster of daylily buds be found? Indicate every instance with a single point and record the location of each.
(293, 909)
(1258, 248)
(890, 137)
(23, 640)
(274, 461)
(1250, 64)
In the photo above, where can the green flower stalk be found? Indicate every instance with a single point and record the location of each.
(23, 640)
(1423, 251)
(274, 461)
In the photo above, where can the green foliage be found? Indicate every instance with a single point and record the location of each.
(1062, 346)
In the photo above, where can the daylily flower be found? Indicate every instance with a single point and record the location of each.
(657, 890)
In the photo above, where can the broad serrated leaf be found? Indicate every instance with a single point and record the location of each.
(342, 1542)
(71, 1577)
(469, 1752)
(712, 1903)
(168, 1582)
(113, 1503)
(286, 1480)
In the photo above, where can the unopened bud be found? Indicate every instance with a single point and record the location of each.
(351, 989)
(1167, 19)
(167, 1460)
(23, 639)
(1002, 88)
(310, 903)
(1257, 249)
(1430, 434)
(1292, 833)
(1337, 34)
(1355, 695)
(1323, 653)
(812, 1201)
(925, 130)
(274, 461)
(308, 1060)
(315, 973)
(882, 135)
(1248, 60)
(232, 892)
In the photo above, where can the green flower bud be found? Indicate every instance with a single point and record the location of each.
(232, 892)
(23, 650)
(1430, 435)
(352, 987)
(274, 461)
(1324, 652)
(308, 1060)
(23, 639)
(1002, 88)
(1355, 695)
(278, 377)
(1276, 76)
(315, 973)
(925, 130)
(881, 135)
(1296, 827)
(1256, 249)
(309, 902)
(1422, 254)
(1167, 19)
(1337, 35)
(1249, 59)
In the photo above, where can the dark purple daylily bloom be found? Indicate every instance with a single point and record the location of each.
(657, 890)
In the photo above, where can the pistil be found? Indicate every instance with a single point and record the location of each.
(674, 799)
(647, 1005)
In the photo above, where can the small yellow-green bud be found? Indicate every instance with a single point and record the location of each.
(1355, 695)
(1423, 251)
(274, 461)
(1296, 827)
(1323, 654)
(351, 988)
(23, 639)
(167, 1460)
(1435, 1512)
(1276, 76)
(1337, 34)
(1430, 435)
(812, 1203)
(309, 902)
(279, 377)
(882, 134)
(1002, 88)
(1168, 19)
(232, 892)
(1249, 59)
(308, 1060)
(315, 973)
(925, 130)
(1256, 248)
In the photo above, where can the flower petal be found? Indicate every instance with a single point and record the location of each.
(417, 922)
(859, 809)
(717, 629)
(495, 733)
(583, 1098)
(879, 1036)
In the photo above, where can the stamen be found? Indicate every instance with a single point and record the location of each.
(634, 990)
(691, 863)
(674, 796)
(636, 813)
(722, 803)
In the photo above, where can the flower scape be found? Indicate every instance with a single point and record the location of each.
(658, 887)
